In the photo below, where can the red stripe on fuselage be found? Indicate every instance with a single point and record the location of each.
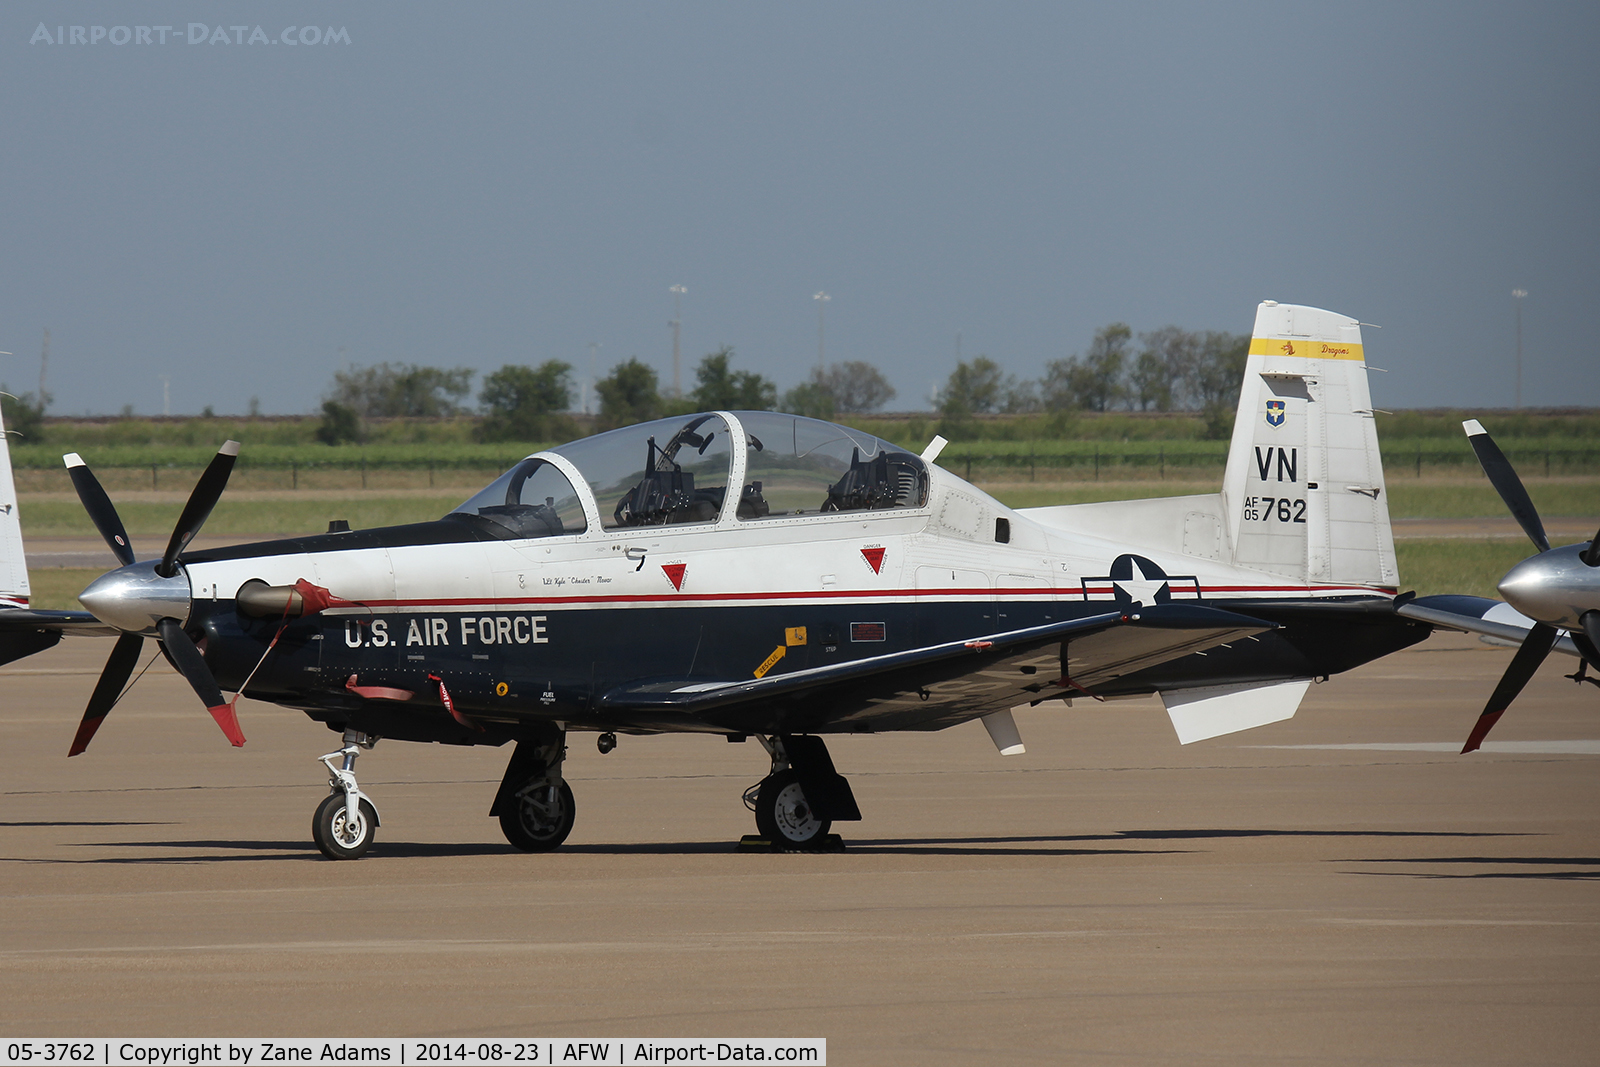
(1067, 594)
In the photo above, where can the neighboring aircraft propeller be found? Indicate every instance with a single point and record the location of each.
(1558, 588)
(149, 597)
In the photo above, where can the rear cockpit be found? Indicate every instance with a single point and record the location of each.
(677, 472)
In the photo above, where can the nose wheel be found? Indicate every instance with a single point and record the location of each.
(337, 834)
(346, 821)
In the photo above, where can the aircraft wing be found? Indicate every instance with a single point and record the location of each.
(24, 631)
(77, 623)
(1493, 619)
(939, 685)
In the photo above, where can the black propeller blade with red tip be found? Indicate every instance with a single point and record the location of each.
(1541, 638)
(180, 648)
(1535, 647)
(118, 669)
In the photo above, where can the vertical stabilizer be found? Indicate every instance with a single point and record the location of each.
(1304, 491)
(14, 590)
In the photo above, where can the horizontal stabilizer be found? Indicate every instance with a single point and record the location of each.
(76, 623)
(1494, 619)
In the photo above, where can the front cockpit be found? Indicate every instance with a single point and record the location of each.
(678, 471)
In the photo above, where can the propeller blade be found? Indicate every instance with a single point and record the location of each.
(118, 669)
(1591, 555)
(101, 511)
(204, 497)
(192, 665)
(1505, 481)
(1591, 630)
(1535, 647)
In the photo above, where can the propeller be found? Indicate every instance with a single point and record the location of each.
(1504, 478)
(118, 669)
(1591, 555)
(1540, 577)
(1535, 647)
(101, 511)
(140, 596)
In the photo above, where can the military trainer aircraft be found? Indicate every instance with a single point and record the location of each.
(767, 576)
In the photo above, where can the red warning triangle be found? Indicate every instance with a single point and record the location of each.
(674, 573)
(874, 558)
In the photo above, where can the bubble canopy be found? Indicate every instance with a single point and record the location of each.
(677, 471)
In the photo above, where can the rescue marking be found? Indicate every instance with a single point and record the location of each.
(768, 663)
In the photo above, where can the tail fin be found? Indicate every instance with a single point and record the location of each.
(1304, 491)
(14, 591)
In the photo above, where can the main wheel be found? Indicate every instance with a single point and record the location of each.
(338, 836)
(784, 816)
(539, 820)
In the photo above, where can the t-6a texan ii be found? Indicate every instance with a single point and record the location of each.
(760, 575)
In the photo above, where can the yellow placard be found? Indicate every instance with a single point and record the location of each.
(766, 665)
(794, 635)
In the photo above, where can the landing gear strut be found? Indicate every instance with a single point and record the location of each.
(346, 821)
(797, 802)
(535, 804)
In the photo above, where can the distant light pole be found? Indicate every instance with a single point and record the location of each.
(1517, 295)
(677, 292)
(822, 328)
(166, 394)
(589, 386)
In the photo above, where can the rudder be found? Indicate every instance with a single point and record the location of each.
(1303, 492)
(14, 590)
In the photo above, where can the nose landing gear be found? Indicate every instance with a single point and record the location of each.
(346, 821)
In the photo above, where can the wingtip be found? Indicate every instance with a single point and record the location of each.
(1474, 428)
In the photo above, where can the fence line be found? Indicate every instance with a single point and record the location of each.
(1093, 462)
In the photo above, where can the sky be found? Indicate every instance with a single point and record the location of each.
(477, 185)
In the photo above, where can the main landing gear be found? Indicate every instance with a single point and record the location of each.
(346, 820)
(534, 802)
(797, 803)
